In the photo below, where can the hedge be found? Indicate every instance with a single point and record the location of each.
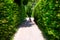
(47, 17)
(10, 16)
(28, 9)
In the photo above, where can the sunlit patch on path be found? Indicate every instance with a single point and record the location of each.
(29, 31)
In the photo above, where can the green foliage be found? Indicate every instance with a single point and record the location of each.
(29, 9)
(25, 2)
(7, 1)
(10, 16)
(47, 16)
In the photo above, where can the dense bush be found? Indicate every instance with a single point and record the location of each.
(10, 16)
(25, 2)
(28, 9)
(47, 16)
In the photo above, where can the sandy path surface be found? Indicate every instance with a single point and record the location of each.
(29, 31)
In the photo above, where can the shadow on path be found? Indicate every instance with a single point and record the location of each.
(26, 23)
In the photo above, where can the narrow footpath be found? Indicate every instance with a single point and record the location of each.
(28, 31)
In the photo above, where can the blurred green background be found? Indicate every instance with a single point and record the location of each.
(46, 14)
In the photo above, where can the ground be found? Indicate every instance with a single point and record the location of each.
(29, 31)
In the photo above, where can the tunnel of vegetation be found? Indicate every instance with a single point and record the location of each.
(47, 17)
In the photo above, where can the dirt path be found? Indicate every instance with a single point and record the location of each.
(29, 31)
